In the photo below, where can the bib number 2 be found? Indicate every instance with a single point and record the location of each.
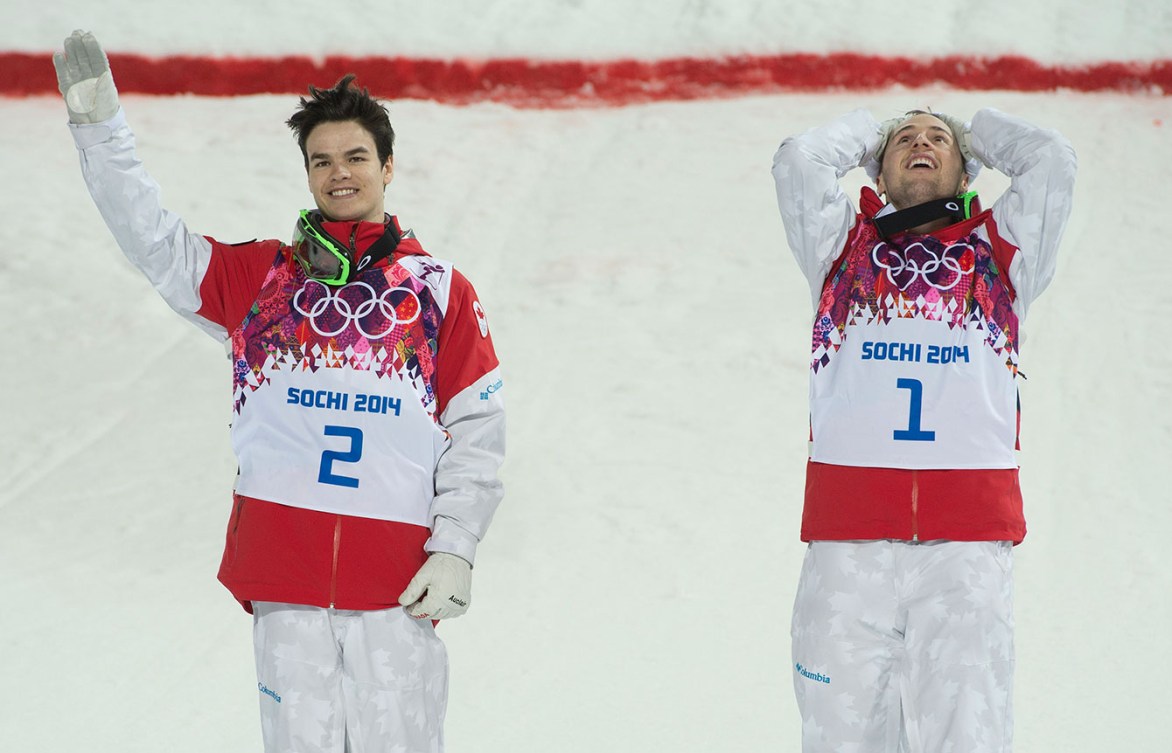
(913, 432)
(326, 474)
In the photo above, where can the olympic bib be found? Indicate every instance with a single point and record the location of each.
(902, 397)
(339, 441)
(335, 395)
(914, 360)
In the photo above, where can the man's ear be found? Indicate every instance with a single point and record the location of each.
(388, 171)
(882, 190)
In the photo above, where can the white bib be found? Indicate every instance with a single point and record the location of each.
(339, 440)
(914, 393)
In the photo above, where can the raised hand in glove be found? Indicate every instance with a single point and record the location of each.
(442, 588)
(83, 76)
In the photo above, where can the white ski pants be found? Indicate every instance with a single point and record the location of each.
(905, 646)
(336, 681)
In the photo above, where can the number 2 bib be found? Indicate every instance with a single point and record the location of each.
(335, 396)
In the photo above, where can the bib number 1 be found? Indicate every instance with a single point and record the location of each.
(326, 474)
(913, 432)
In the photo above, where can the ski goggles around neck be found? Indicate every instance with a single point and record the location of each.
(322, 257)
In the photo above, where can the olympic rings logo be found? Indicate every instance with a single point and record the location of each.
(332, 311)
(941, 269)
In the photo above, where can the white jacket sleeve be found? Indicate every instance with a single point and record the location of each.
(817, 213)
(152, 238)
(467, 487)
(1032, 214)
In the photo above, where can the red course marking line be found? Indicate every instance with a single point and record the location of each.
(538, 83)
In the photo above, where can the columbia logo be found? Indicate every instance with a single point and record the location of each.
(815, 676)
(490, 389)
(261, 687)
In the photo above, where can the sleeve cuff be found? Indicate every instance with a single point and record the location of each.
(86, 135)
(979, 126)
(447, 536)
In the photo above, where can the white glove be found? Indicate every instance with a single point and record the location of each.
(964, 140)
(447, 581)
(872, 161)
(84, 78)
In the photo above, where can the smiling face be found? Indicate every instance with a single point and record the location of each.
(345, 176)
(922, 162)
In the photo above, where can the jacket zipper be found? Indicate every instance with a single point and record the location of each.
(239, 505)
(334, 566)
(915, 505)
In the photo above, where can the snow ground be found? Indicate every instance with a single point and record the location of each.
(1052, 31)
(634, 592)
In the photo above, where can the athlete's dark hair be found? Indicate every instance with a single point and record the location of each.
(342, 103)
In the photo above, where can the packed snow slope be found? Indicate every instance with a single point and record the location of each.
(1067, 31)
(635, 589)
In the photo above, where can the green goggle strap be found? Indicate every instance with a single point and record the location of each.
(308, 228)
(967, 206)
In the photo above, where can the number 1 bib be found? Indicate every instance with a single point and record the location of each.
(914, 358)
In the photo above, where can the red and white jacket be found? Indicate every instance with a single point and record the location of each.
(368, 421)
(913, 396)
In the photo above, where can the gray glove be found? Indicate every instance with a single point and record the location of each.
(83, 76)
(442, 588)
(964, 140)
(873, 159)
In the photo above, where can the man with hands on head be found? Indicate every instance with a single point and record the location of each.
(368, 422)
(903, 623)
